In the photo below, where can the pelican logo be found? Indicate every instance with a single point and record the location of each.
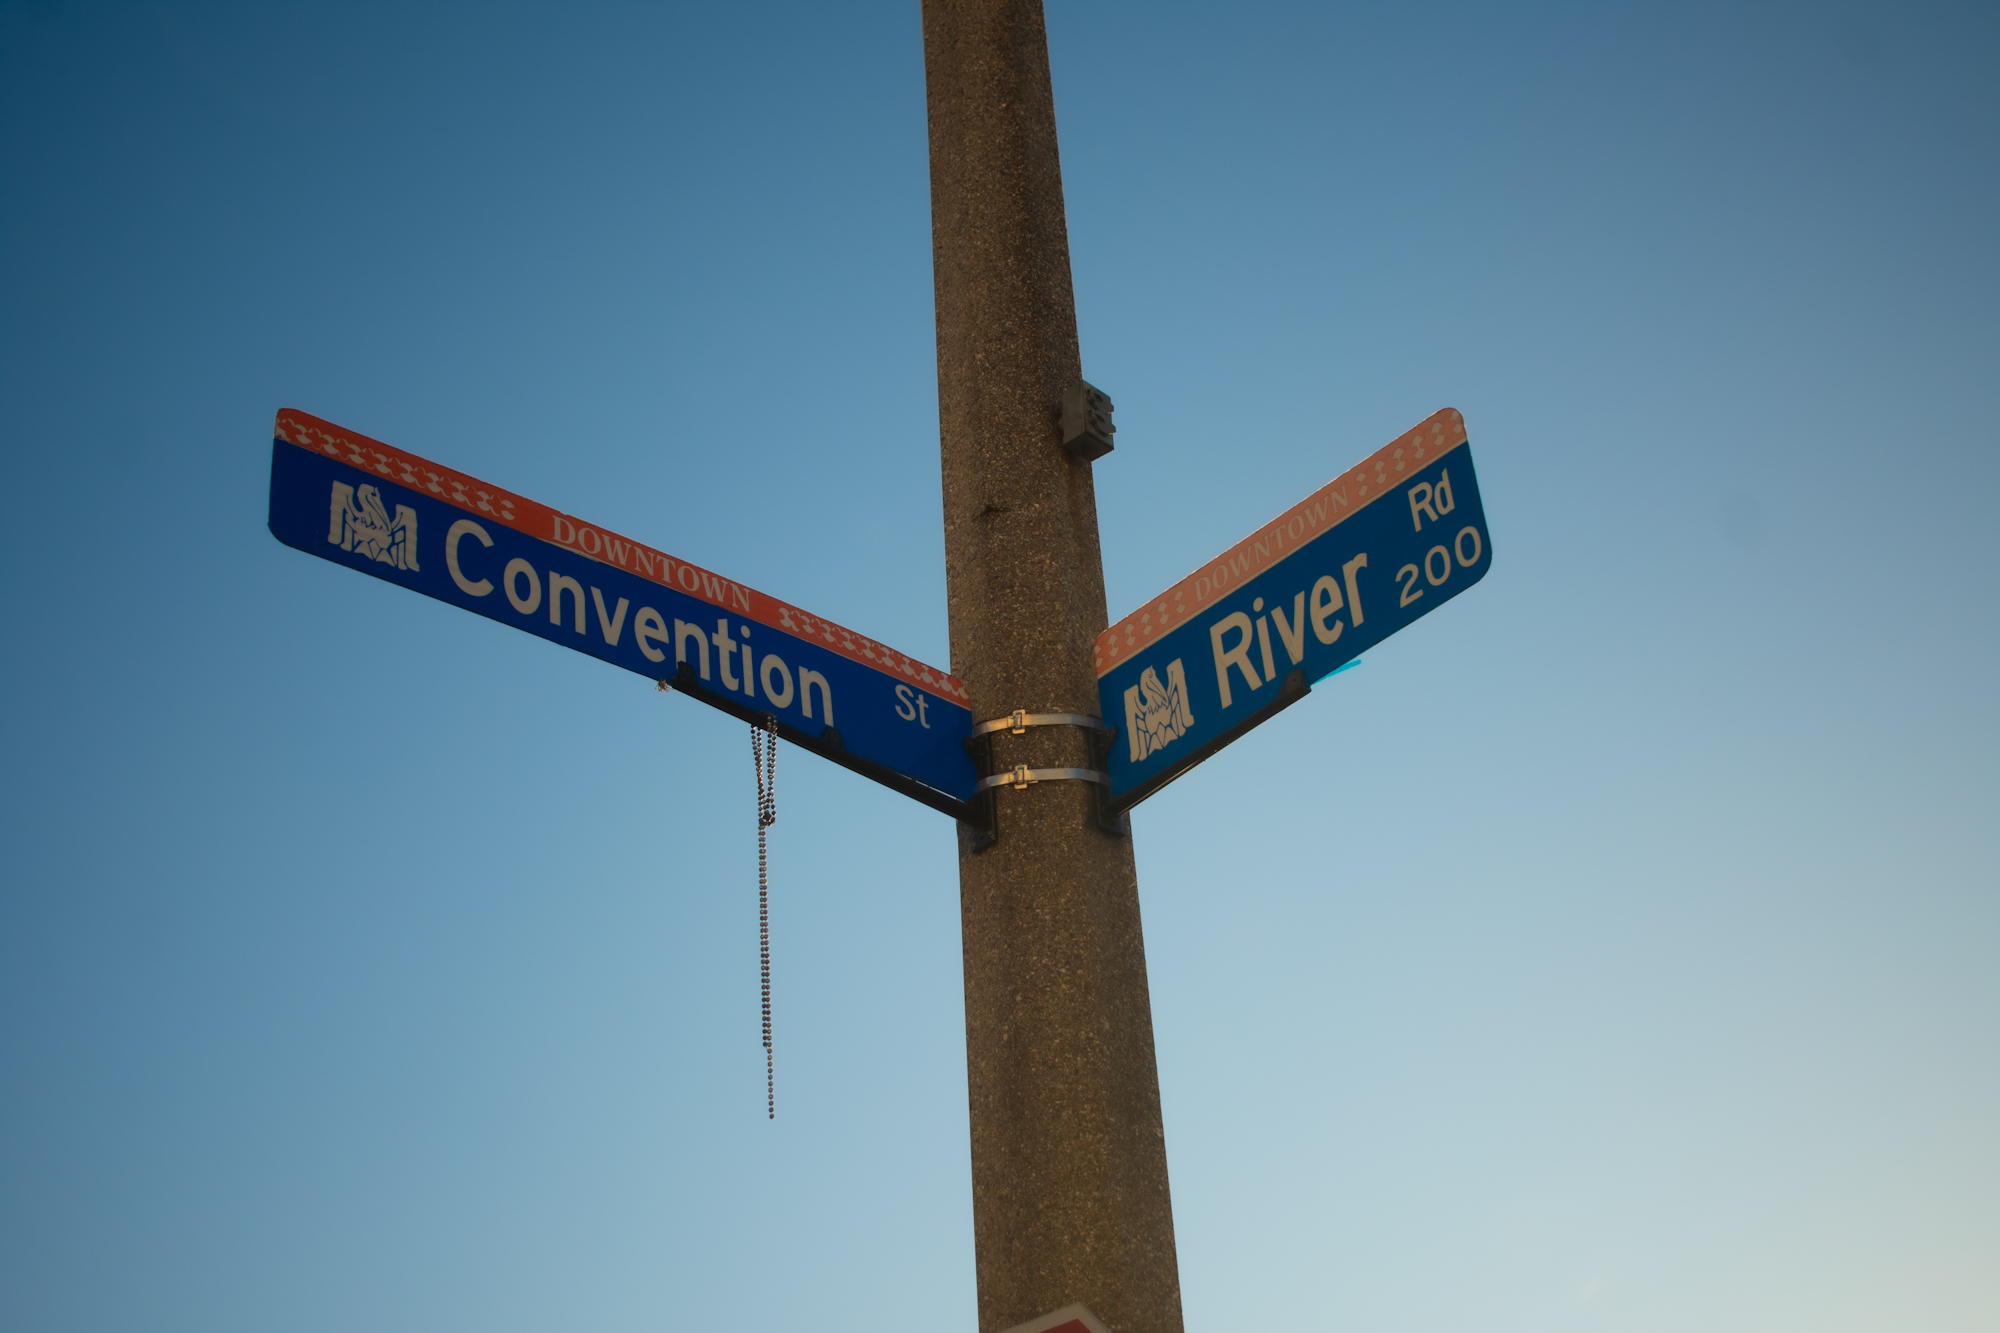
(365, 526)
(1157, 715)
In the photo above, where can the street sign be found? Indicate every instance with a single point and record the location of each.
(386, 512)
(1245, 636)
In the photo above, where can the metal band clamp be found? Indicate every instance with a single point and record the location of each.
(1021, 719)
(1021, 775)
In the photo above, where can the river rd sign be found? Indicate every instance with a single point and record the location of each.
(384, 511)
(1246, 635)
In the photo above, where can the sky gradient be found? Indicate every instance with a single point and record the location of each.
(1613, 949)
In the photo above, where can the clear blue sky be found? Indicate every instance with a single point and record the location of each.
(1615, 949)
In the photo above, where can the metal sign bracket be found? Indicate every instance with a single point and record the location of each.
(1021, 719)
(984, 828)
(1020, 776)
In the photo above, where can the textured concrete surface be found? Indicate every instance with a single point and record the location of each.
(1069, 1164)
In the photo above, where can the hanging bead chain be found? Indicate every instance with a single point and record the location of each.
(764, 762)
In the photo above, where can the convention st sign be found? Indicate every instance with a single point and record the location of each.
(385, 511)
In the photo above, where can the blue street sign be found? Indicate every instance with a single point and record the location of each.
(1246, 635)
(405, 520)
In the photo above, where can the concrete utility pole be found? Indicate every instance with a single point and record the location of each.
(1069, 1160)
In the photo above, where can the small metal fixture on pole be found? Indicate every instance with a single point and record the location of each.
(1086, 422)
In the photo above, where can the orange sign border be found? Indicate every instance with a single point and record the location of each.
(1326, 508)
(602, 545)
